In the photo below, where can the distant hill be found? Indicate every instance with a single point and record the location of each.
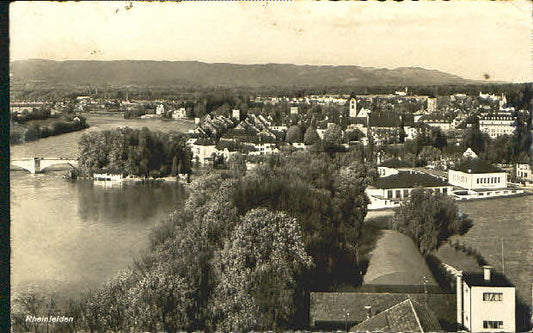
(192, 73)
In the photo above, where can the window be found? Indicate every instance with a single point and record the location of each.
(492, 297)
(389, 194)
(445, 190)
(492, 324)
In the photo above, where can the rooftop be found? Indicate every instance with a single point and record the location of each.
(496, 280)
(476, 165)
(408, 180)
(406, 316)
(389, 119)
(333, 306)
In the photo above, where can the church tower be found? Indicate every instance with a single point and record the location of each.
(353, 107)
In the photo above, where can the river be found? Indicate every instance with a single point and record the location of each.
(69, 236)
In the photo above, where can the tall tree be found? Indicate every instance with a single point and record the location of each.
(311, 136)
(258, 271)
(429, 219)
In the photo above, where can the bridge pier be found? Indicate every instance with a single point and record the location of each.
(38, 164)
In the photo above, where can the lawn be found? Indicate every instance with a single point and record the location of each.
(510, 220)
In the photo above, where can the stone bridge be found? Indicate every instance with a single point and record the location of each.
(38, 164)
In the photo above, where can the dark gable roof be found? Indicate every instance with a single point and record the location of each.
(476, 165)
(406, 316)
(496, 280)
(389, 119)
(408, 180)
(204, 142)
(376, 119)
(332, 306)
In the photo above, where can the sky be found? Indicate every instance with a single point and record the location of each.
(467, 38)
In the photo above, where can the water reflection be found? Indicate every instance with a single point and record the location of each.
(68, 236)
(128, 203)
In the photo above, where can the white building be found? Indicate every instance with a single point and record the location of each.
(160, 109)
(179, 113)
(385, 171)
(410, 132)
(476, 174)
(203, 153)
(496, 126)
(294, 110)
(235, 113)
(107, 177)
(264, 149)
(523, 171)
(280, 128)
(432, 105)
(389, 191)
(485, 302)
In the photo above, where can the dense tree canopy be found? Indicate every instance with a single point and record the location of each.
(311, 136)
(257, 272)
(134, 152)
(244, 249)
(429, 219)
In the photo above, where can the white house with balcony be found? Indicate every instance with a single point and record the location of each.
(485, 302)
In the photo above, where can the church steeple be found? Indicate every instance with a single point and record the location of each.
(353, 107)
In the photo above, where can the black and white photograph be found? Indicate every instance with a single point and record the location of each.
(270, 166)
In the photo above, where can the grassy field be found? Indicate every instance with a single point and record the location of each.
(457, 259)
(510, 220)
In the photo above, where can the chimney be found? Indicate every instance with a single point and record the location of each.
(486, 273)
(368, 310)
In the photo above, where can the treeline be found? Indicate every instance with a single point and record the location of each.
(33, 114)
(241, 254)
(518, 95)
(37, 129)
(138, 152)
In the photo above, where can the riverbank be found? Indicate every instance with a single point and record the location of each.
(32, 130)
(67, 144)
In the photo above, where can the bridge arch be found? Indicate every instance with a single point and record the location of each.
(39, 164)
